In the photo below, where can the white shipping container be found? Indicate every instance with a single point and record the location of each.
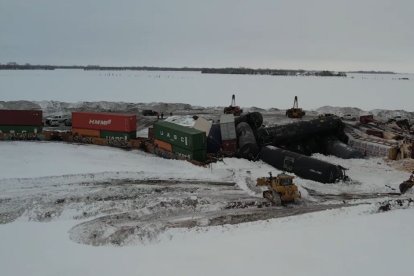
(227, 127)
(203, 125)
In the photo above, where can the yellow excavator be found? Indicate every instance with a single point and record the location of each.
(281, 189)
(295, 111)
(233, 108)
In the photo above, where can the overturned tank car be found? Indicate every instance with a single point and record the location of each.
(301, 165)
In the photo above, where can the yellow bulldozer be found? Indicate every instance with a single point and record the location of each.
(281, 189)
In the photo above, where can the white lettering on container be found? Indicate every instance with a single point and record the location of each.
(99, 122)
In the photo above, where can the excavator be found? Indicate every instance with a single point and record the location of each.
(233, 108)
(281, 189)
(295, 112)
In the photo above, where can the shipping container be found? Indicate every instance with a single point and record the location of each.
(198, 155)
(372, 148)
(180, 136)
(104, 121)
(229, 145)
(214, 139)
(20, 129)
(163, 145)
(115, 135)
(227, 127)
(86, 132)
(151, 133)
(203, 125)
(21, 117)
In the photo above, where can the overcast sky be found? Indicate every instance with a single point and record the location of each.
(317, 34)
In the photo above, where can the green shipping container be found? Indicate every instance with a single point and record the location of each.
(21, 129)
(114, 135)
(180, 136)
(199, 155)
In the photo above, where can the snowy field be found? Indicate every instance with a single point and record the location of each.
(351, 240)
(68, 209)
(363, 91)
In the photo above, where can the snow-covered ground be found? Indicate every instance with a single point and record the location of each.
(356, 240)
(357, 90)
(68, 209)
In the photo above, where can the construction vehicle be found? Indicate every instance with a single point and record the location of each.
(406, 185)
(233, 108)
(281, 189)
(295, 111)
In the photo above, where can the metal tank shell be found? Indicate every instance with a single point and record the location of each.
(276, 135)
(303, 166)
(254, 119)
(248, 147)
(337, 148)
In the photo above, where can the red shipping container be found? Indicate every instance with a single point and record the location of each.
(229, 145)
(21, 117)
(104, 121)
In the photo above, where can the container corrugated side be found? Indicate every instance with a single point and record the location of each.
(21, 117)
(227, 118)
(180, 136)
(114, 135)
(105, 121)
(20, 129)
(228, 131)
(85, 132)
(198, 155)
(163, 145)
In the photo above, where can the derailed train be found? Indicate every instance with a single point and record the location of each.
(289, 142)
(286, 147)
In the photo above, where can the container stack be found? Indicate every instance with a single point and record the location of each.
(110, 126)
(228, 133)
(18, 122)
(185, 142)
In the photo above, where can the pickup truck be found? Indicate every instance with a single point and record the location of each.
(58, 120)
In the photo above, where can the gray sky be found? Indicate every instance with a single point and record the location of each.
(317, 34)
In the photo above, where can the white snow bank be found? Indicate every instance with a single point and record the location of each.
(39, 159)
(338, 242)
